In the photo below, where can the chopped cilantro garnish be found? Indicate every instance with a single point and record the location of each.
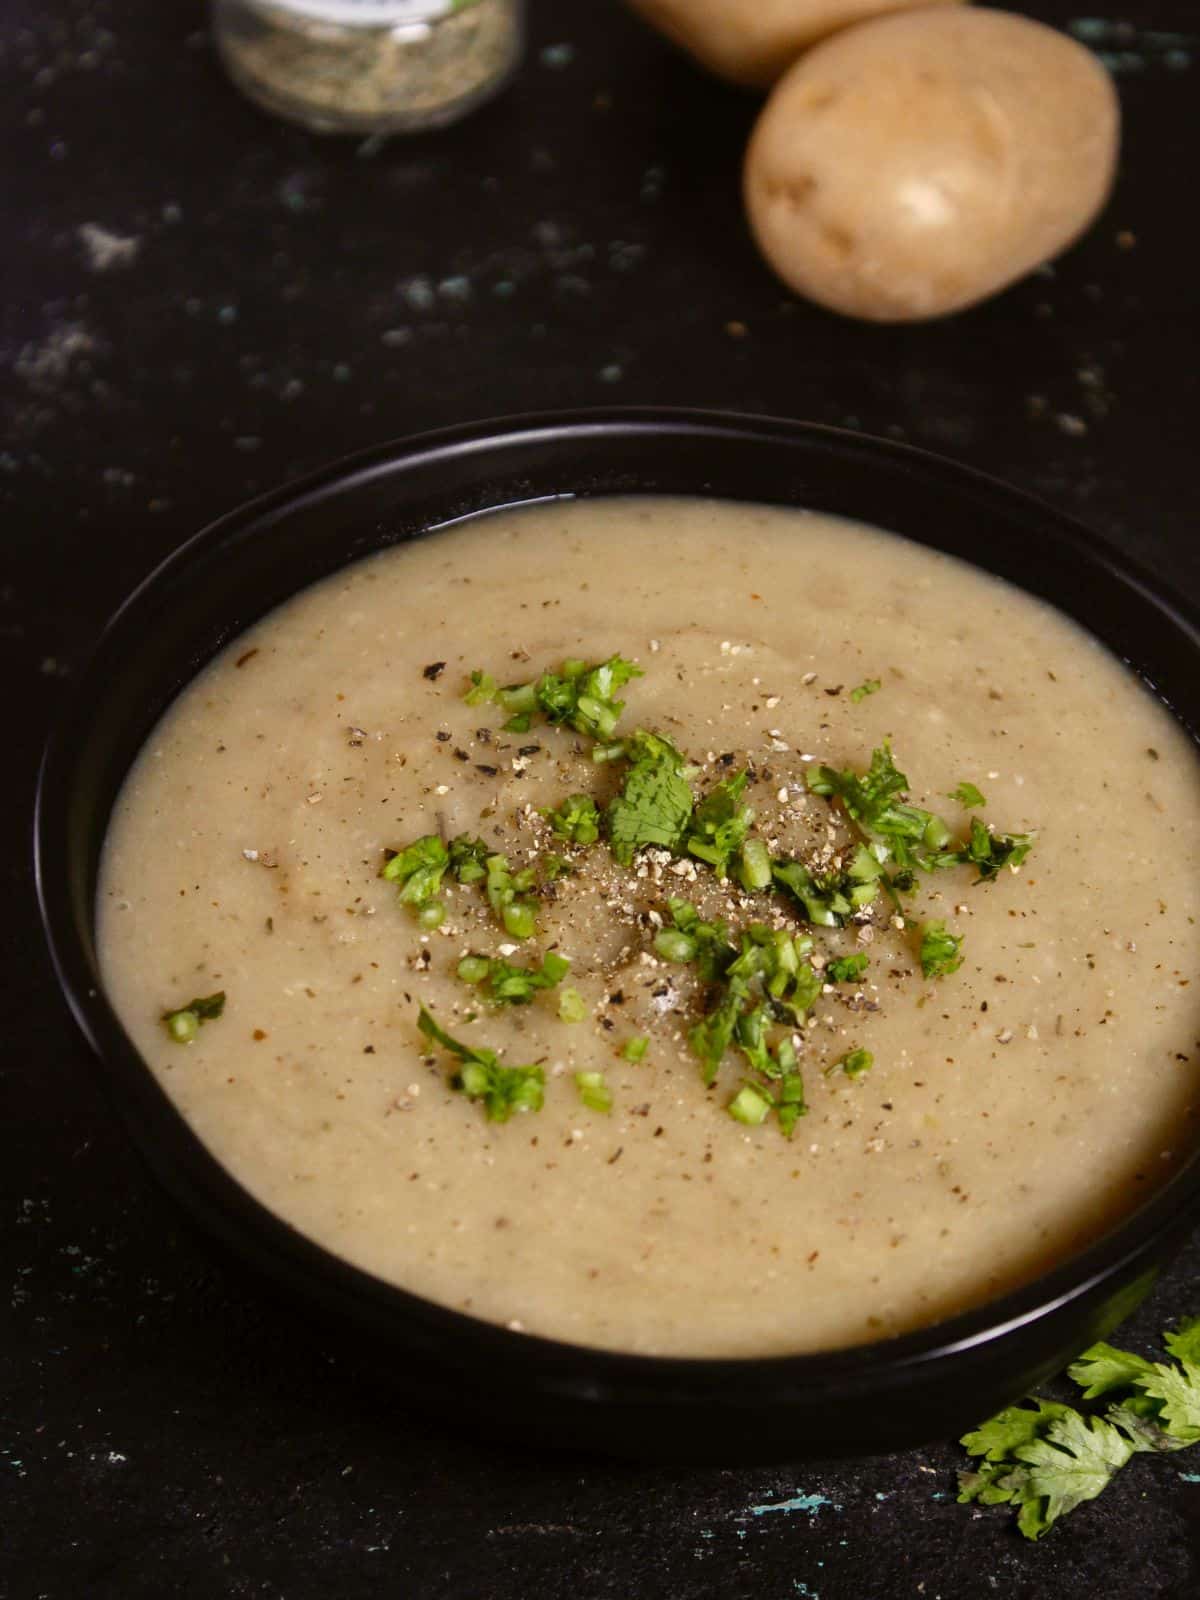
(1046, 1458)
(941, 951)
(483, 689)
(483, 1076)
(654, 806)
(854, 1063)
(418, 869)
(789, 1104)
(183, 1024)
(908, 834)
(713, 1034)
(509, 985)
(990, 852)
(691, 939)
(720, 824)
(967, 795)
(576, 820)
(594, 1091)
(572, 1007)
(505, 891)
(846, 969)
(580, 696)
(751, 1105)
(864, 689)
(769, 963)
(468, 859)
(754, 865)
(826, 900)
(750, 1036)
(635, 1049)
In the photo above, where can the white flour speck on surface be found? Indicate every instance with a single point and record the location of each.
(105, 250)
(45, 365)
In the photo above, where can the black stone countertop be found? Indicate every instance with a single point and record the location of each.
(255, 302)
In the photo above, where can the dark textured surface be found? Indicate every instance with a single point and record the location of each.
(281, 300)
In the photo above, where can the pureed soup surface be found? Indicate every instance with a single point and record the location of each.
(1016, 1107)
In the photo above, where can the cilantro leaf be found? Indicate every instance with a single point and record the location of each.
(468, 859)
(1050, 1459)
(967, 795)
(509, 985)
(1184, 1341)
(183, 1024)
(941, 951)
(635, 1049)
(654, 806)
(909, 835)
(576, 820)
(579, 695)
(720, 825)
(418, 869)
(854, 1063)
(1002, 1435)
(1103, 1368)
(711, 1037)
(1177, 1388)
(871, 686)
(482, 1076)
(846, 969)
(990, 852)
(1073, 1462)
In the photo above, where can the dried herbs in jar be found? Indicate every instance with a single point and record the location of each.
(369, 66)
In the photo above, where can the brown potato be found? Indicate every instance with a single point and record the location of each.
(916, 164)
(753, 41)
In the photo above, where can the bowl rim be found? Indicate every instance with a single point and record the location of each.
(210, 1191)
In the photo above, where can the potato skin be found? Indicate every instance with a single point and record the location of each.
(752, 42)
(915, 165)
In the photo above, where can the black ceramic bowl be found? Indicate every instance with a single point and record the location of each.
(883, 1396)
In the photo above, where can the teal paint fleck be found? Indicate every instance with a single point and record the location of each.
(812, 1503)
(802, 1588)
(1190, 1477)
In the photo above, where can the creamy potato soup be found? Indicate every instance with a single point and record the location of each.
(942, 995)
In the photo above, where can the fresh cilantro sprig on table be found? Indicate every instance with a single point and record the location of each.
(183, 1024)
(1046, 1458)
(483, 1076)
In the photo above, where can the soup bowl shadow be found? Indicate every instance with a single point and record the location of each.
(883, 1396)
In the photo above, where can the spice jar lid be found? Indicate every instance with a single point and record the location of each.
(373, 13)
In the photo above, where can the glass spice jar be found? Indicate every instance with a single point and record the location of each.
(370, 66)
